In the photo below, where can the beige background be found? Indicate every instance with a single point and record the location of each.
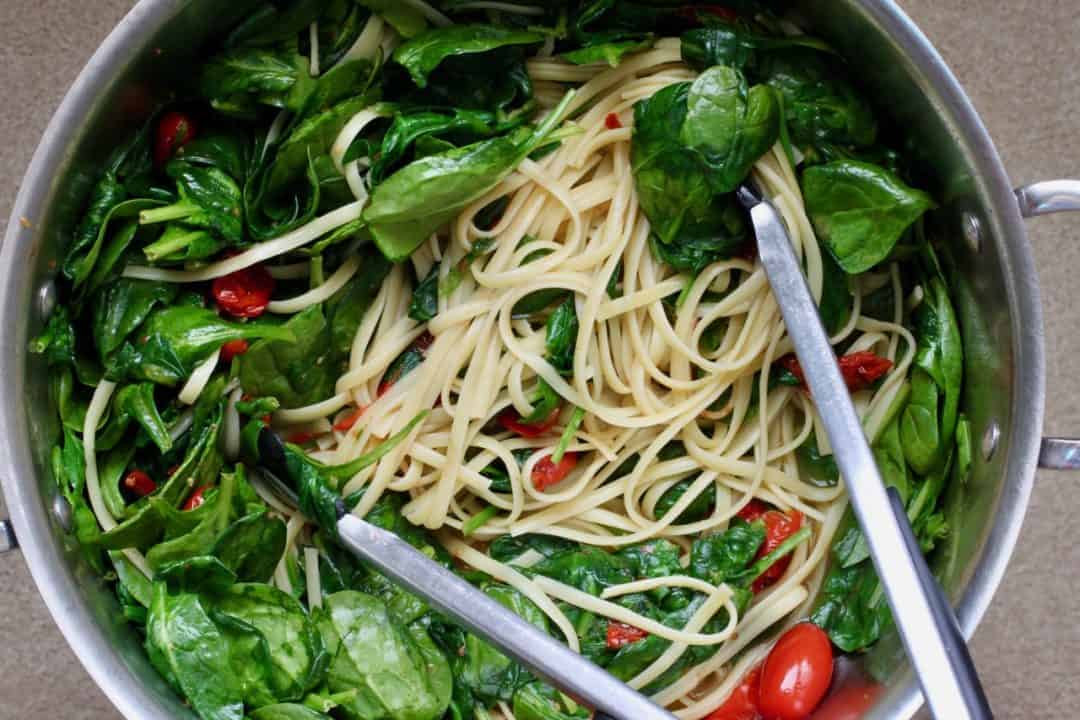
(1017, 59)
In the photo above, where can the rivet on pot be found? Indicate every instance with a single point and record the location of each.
(47, 299)
(61, 510)
(990, 440)
(972, 231)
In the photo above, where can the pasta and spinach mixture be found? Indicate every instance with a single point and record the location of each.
(480, 265)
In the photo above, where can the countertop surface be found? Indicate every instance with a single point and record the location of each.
(1016, 59)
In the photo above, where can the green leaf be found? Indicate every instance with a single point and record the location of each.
(723, 557)
(275, 22)
(57, 341)
(730, 124)
(507, 548)
(489, 674)
(611, 53)
(399, 673)
(413, 202)
(209, 199)
(137, 403)
(234, 80)
(123, 306)
(406, 19)
(425, 298)
(286, 711)
(185, 646)
(736, 46)
(698, 509)
(105, 196)
(537, 701)
(860, 211)
(562, 332)
(215, 514)
(836, 297)
(297, 372)
(421, 55)
(852, 607)
(817, 469)
(176, 339)
(252, 546)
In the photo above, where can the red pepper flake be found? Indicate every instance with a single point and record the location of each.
(619, 635)
(233, 348)
(196, 499)
(546, 473)
(174, 131)
(244, 293)
(612, 121)
(345, 424)
(139, 483)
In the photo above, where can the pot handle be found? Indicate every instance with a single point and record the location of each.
(7, 537)
(1044, 198)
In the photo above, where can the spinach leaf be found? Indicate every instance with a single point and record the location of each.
(189, 650)
(425, 298)
(346, 309)
(421, 55)
(589, 569)
(836, 296)
(252, 546)
(137, 403)
(209, 199)
(295, 646)
(214, 516)
(406, 19)
(928, 423)
(236, 81)
(122, 307)
(57, 341)
(698, 509)
(176, 339)
(537, 701)
(106, 243)
(852, 608)
(817, 469)
(730, 124)
(106, 194)
(719, 558)
(287, 711)
(611, 53)
(69, 472)
(413, 202)
(562, 332)
(298, 372)
(399, 673)
(275, 22)
(737, 46)
(507, 548)
(860, 211)
(820, 105)
(489, 674)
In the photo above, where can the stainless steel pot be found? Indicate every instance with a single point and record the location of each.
(997, 301)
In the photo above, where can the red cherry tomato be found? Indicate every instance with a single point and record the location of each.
(778, 528)
(693, 13)
(174, 131)
(244, 293)
(850, 703)
(612, 121)
(233, 348)
(863, 369)
(860, 369)
(546, 473)
(196, 499)
(510, 420)
(796, 674)
(139, 483)
(620, 635)
(742, 704)
(345, 424)
(301, 437)
(752, 510)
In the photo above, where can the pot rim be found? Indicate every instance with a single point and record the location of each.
(34, 527)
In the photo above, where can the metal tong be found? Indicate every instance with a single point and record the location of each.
(926, 622)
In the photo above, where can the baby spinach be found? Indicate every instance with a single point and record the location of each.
(252, 546)
(589, 569)
(57, 341)
(399, 673)
(122, 307)
(137, 403)
(537, 701)
(297, 369)
(69, 473)
(406, 19)
(723, 557)
(489, 674)
(189, 650)
(237, 81)
(817, 469)
(820, 105)
(562, 332)
(425, 298)
(106, 194)
(413, 202)
(422, 54)
(209, 199)
(175, 339)
(507, 548)
(213, 515)
(737, 46)
(928, 423)
(860, 211)
(286, 711)
(730, 124)
(611, 53)
(698, 509)
(274, 22)
(852, 608)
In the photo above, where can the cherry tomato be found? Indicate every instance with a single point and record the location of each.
(860, 369)
(779, 527)
(174, 131)
(863, 369)
(620, 634)
(244, 293)
(742, 704)
(300, 437)
(546, 473)
(345, 424)
(752, 510)
(612, 121)
(510, 420)
(195, 499)
(139, 483)
(850, 703)
(796, 674)
(693, 13)
(233, 348)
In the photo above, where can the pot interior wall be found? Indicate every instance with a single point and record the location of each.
(983, 295)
